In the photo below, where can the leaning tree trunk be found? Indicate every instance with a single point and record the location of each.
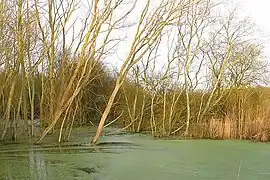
(106, 111)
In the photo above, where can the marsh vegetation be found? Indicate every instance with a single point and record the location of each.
(186, 70)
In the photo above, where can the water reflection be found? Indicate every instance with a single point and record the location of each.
(152, 159)
(23, 165)
(37, 167)
(53, 162)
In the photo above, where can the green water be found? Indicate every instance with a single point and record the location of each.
(142, 158)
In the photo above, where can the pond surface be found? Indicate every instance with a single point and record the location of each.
(138, 157)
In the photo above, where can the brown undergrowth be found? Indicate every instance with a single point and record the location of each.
(241, 113)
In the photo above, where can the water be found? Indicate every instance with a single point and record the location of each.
(136, 157)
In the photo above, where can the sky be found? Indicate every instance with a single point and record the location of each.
(258, 11)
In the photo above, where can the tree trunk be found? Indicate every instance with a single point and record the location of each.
(106, 111)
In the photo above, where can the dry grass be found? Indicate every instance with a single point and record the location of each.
(229, 128)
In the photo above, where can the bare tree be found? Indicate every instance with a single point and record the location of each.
(148, 31)
(231, 55)
(91, 52)
(191, 32)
